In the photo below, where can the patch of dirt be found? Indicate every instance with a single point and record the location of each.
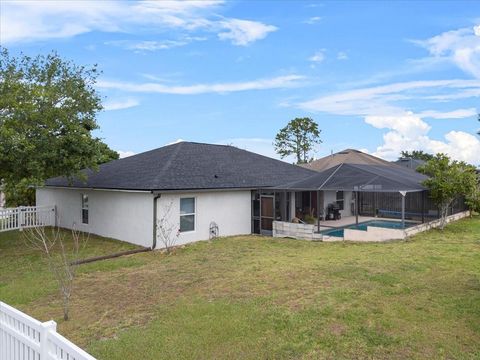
(337, 329)
(104, 303)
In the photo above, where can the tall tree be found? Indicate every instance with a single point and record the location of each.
(472, 199)
(478, 118)
(298, 138)
(48, 110)
(417, 155)
(448, 179)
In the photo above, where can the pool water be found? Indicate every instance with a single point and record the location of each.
(363, 226)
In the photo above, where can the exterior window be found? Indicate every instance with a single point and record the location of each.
(340, 199)
(84, 209)
(187, 214)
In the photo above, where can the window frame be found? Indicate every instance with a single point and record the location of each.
(85, 208)
(194, 214)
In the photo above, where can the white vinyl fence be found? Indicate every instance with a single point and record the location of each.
(23, 338)
(26, 217)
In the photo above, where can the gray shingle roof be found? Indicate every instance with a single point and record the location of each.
(347, 156)
(189, 166)
(361, 177)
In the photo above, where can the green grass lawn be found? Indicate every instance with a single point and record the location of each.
(256, 297)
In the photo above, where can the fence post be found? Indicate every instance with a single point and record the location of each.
(3, 346)
(47, 327)
(21, 218)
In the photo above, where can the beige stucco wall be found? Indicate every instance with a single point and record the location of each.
(373, 234)
(435, 223)
(230, 210)
(126, 216)
(331, 197)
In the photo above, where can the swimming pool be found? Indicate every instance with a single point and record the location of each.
(363, 226)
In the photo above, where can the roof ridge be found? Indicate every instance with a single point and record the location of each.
(333, 173)
(167, 164)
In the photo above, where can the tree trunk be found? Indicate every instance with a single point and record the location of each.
(66, 309)
(66, 304)
(443, 217)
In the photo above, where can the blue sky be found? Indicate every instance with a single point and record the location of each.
(376, 76)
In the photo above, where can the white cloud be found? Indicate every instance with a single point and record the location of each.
(318, 57)
(244, 32)
(259, 84)
(313, 20)
(165, 78)
(382, 100)
(342, 55)
(382, 108)
(460, 145)
(456, 95)
(124, 154)
(35, 20)
(147, 45)
(314, 5)
(120, 104)
(455, 114)
(476, 30)
(461, 47)
(410, 132)
(408, 125)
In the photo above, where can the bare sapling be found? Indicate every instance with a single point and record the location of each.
(167, 231)
(61, 254)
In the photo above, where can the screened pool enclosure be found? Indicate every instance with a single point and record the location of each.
(349, 191)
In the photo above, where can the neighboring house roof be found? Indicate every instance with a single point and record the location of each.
(189, 166)
(347, 156)
(361, 177)
(409, 163)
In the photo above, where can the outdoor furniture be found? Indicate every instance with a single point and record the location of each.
(333, 212)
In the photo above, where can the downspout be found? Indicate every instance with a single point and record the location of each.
(356, 207)
(155, 198)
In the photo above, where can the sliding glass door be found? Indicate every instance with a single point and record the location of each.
(267, 203)
(268, 206)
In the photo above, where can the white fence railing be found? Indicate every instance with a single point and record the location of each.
(26, 217)
(23, 337)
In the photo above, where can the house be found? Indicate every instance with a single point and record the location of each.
(347, 156)
(194, 185)
(199, 188)
(345, 169)
(410, 163)
(386, 200)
